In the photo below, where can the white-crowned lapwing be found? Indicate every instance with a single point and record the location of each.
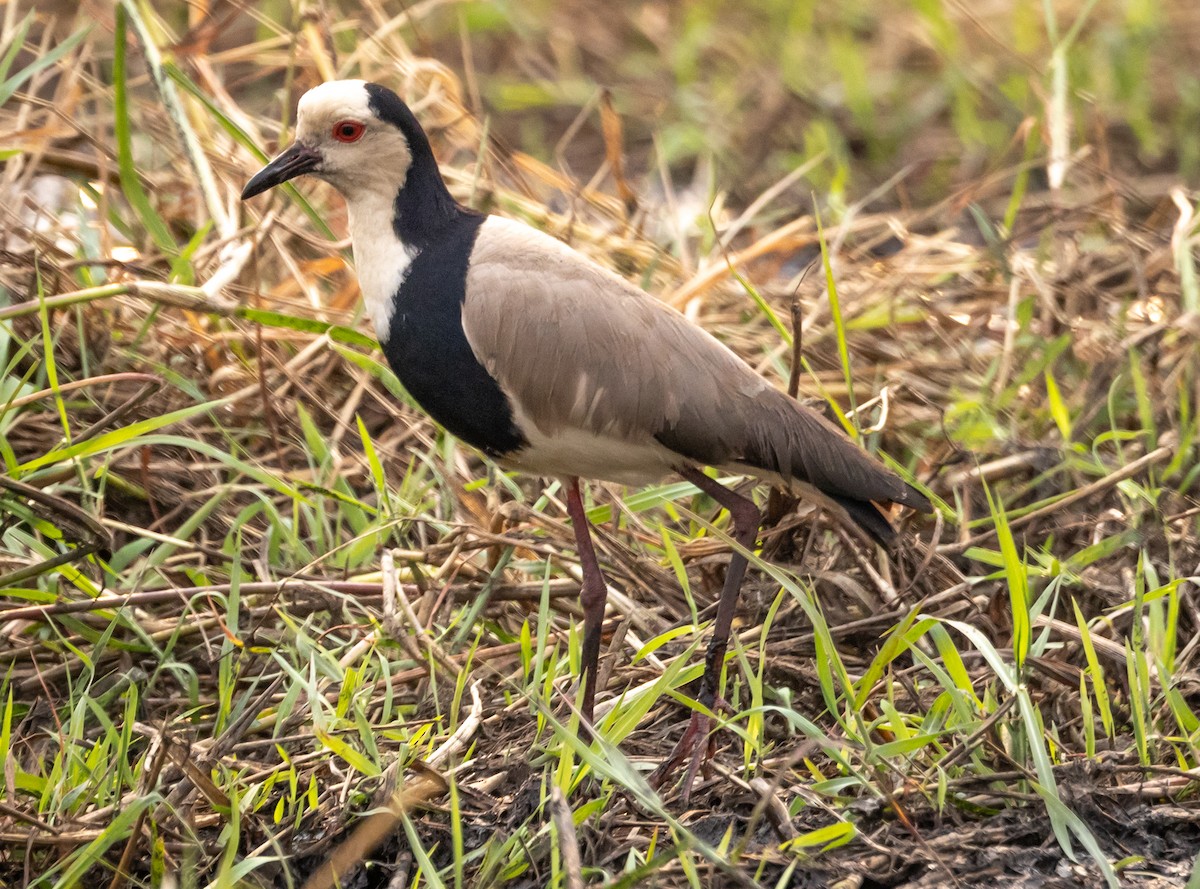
(554, 366)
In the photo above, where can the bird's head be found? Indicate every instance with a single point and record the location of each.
(355, 135)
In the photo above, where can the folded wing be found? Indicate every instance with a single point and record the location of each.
(578, 347)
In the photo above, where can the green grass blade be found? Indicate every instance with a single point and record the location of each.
(131, 183)
(10, 86)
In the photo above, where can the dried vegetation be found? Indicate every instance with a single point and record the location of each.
(251, 594)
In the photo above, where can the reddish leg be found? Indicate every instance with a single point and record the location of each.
(746, 519)
(592, 597)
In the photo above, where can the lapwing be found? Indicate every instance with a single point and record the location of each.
(554, 366)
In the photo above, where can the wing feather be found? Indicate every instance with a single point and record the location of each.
(578, 347)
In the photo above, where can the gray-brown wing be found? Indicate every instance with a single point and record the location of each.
(579, 347)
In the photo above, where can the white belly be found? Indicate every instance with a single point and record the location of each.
(571, 452)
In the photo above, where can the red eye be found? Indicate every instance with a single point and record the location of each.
(348, 130)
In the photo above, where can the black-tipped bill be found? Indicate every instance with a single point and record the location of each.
(295, 161)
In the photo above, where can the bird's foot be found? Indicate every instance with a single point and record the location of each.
(696, 746)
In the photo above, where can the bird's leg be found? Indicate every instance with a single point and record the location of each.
(746, 520)
(592, 597)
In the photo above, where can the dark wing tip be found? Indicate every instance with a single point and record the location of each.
(913, 498)
(873, 520)
(868, 517)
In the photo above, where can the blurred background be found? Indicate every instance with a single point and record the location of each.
(737, 93)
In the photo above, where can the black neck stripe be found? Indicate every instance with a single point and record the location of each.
(424, 206)
(429, 351)
(426, 345)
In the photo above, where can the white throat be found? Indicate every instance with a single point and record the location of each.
(381, 259)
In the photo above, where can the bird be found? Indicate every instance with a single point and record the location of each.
(553, 366)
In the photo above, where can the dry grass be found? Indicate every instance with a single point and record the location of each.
(252, 593)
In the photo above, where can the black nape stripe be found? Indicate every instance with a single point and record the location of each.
(426, 346)
(429, 352)
(424, 205)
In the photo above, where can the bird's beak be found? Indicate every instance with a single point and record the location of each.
(294, 161)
